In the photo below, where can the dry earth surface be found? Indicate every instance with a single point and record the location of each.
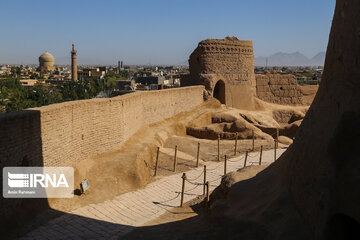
(132, 167)
(106, 171)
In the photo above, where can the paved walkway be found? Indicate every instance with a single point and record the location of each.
(116, 217)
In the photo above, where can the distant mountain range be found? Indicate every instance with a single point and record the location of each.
(291, 59)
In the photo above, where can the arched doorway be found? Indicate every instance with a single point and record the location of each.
(219, 91)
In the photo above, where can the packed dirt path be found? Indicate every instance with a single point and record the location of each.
(116, 217)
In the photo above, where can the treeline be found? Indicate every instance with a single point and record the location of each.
(15, 97)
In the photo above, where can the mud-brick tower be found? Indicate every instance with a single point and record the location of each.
(226, 68)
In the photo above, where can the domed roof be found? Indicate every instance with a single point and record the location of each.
(46, 57)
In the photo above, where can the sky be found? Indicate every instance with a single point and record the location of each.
(156, 32)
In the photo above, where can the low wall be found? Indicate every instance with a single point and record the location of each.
(278, 88)
(63, 134)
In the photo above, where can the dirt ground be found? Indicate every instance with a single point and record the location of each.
(132, 166)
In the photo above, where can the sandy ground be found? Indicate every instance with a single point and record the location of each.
(132, 166)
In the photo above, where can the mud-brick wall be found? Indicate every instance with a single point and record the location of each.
(63, 134)
(278, 88)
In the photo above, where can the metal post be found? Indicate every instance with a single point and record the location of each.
(207, 192)
(246, 155)
(253, 141)
(204, 180)
(219, 147)
(277, 137)
(261, 147)
(175, 158)
(183, 189)
(275, 150)
(236, 138)
(157, 160)
(197, 155)
(225, 163)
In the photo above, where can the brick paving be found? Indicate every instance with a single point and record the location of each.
(113, 218)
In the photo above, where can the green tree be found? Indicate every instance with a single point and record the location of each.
(14, 97)
(34, 76)
(110, 83)
(15, 70)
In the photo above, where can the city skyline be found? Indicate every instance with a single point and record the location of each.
(157, 33)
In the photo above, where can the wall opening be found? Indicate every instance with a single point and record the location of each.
(341, 227)
(219, 91)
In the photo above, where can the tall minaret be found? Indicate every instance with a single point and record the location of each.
(73, 64)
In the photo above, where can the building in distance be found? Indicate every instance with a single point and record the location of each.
(98, 72)
(46, 62)
(74, 73)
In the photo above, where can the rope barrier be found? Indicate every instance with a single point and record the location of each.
(148, 165)
(202, 172)
(197, 184)
(227, 152)
(178, 194)
(239, 159)
(194, 183)
(249, 155)
(213, 154)
(220, 165)
(222, 155)
(188, 160)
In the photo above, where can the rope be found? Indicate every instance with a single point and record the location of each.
(222, 155)
(216, 179)
(196, 186)
(214, 168)
(213, 155)
(178, 194)
(196, 177)
(232, 161)
(188, 160)
(148, 165)
(253, 155)
(239, 159)
(193, 183)
(231, 151)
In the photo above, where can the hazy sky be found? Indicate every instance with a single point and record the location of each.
(157, 31)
